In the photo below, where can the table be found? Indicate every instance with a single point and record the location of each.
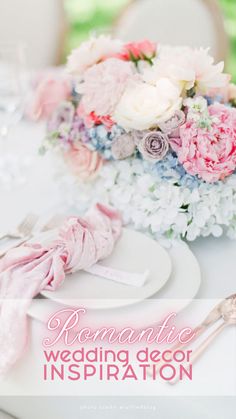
(216, 258)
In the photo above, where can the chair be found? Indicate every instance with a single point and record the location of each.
(194, 23)
(39, 24)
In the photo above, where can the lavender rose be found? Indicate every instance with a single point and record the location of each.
(172, 125)
(123, 147)
(154, 146)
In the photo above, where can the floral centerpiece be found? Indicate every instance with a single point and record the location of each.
(152, 130)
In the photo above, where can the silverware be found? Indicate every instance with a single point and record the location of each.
(53, 222)
(225, 312)
(24, 229)
(28, 226)
(12, 244)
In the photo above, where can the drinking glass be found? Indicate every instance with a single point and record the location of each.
(12, 85)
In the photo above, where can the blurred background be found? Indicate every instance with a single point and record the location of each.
(37, 35)
(86, 16)
(51, 28)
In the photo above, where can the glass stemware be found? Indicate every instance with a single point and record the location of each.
(12, 85)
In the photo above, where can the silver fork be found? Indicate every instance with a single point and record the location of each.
(27, 227)
(24, 229)
(23, 233)
(53, 222)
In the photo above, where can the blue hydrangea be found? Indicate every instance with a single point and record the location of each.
(101, 139)
(218, 99)
(170, 169)
(212, 100)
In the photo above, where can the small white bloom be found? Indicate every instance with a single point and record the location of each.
(197, 104)
(193, 232)
(211, 208)
(216, 230)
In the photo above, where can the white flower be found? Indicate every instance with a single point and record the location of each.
(155, 206)
(197, 104)
(92, 52)
(207, 74)
(193, 232)
(174, 63)
(198, 111)
(188, 68)
(143, 106)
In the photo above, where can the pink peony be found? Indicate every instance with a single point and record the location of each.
(224, 114)
(138, 51)
(83, 162)
(104, 85)
(209, 153)
(49, 93)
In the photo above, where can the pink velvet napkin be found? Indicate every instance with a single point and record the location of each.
(31, 268)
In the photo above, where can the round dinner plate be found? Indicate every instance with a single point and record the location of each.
(182, 286)
(178, 292)
(134, 253)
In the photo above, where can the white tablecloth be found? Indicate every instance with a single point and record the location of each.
(39, 193)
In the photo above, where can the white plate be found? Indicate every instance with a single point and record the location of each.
(134, 252)
(178, 292)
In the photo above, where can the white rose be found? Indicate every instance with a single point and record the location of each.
(143, 106)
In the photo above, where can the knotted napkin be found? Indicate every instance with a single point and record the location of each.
(31, 268)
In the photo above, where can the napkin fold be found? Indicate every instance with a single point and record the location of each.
(31, 268)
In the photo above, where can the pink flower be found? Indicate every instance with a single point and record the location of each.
(92, 52)
(83, 162)
(138, 51)
(224, 114)
(92, 119)
(209, 153)
(104, 84)
(49, 93)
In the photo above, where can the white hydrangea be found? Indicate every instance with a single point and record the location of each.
(156, 206)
